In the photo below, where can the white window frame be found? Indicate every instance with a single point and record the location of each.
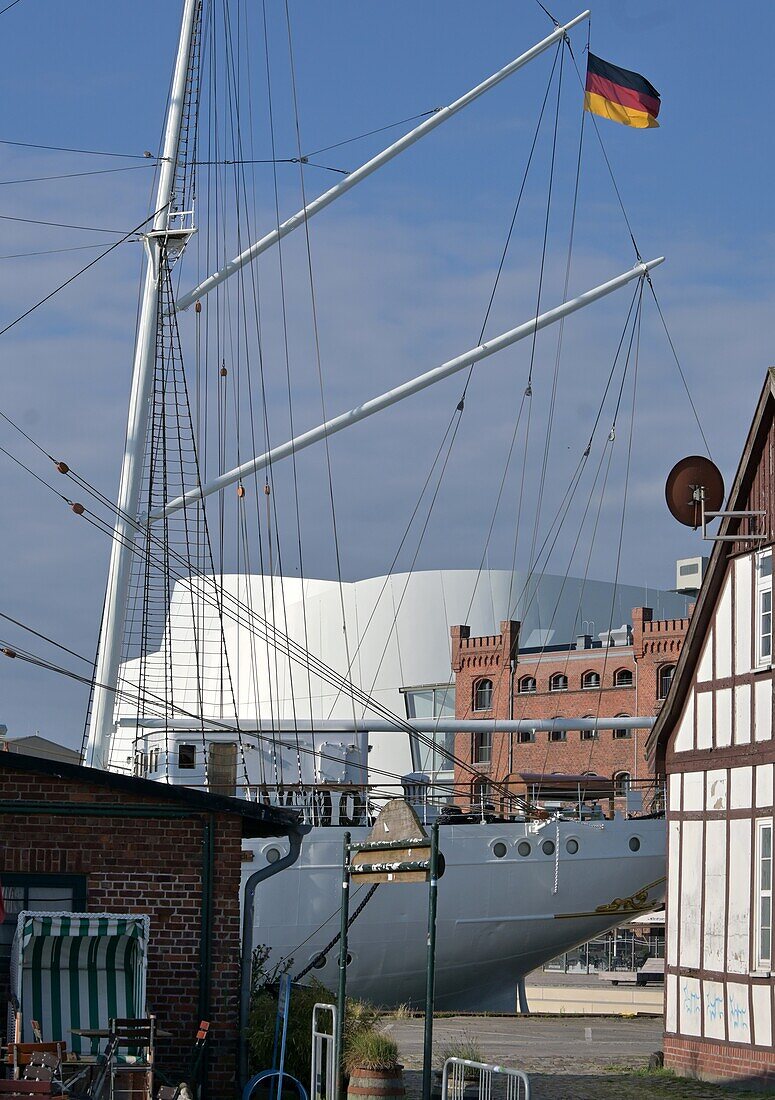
(763, 607)
(762, 961)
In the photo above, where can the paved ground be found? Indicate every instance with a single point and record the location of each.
(567, 1059)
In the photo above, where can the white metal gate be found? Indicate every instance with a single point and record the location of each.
(459, 1073)
(323, 1077)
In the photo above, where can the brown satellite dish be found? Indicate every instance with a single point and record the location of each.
(691, 481)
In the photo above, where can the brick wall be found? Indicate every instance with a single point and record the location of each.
(152, 866)
(720, 1061)
(654, 644)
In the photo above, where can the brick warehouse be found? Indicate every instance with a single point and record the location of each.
(117, 843)
(494, 678)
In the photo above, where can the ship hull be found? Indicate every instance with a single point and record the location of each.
(498, 918)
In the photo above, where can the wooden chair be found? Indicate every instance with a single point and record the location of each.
(24, 1088)
(20, 1055)
(191, 1081)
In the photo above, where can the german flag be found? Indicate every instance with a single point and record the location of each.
(620, 95)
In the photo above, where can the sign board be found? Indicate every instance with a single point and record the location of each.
(396, 850)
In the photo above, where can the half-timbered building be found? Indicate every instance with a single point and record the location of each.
(713, 740)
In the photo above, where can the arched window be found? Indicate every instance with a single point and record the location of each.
(558, 735)
(622, 734)
(590, 680)
(665, 680)
(483, 695)
(589, 735)
(480, 794)
(623, 677)
(558, 682)
(622, 784)
(527, 685)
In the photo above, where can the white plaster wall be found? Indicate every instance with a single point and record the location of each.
(690, 1006)
(724, 630)
(691, 894)
(763, 710)
(705, 663)
(741, 788)
(674, 791)
(739, 896)
(762, 1015)
(674, 848)
(714, 1007)
(671, 1003)
(723, 717)
(684, 738)
(743, 612)
(704, 719)
(764, 786)
(715, 894)
(716, 790)
(738, 1014)
(694, 790)
(742, 714)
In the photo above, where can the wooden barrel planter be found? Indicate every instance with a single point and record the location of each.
(376, 1084)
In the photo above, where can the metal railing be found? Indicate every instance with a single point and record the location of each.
(323, 1075)
(461, 1075)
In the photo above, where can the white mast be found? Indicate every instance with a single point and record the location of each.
(112, 629)
(322, 201)
(406, 389)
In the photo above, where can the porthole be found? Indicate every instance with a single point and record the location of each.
(523, 848)
(572, 846)
(349, 958)
(499, 849)
(634, 843)
(319, 962)
(548, 847)
(272, 855)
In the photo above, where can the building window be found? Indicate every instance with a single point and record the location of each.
(622, 734)
(526, 737)
(623, 677)
(527, 685)
(763, 916)
(483, 747)
(665, 679)
(187, 756)
(437, 750)
(558, 735)
(483, 695)
(480, 794)
(47, 893)
(558, 682)
(590, 680)
(764, 608)
(622, 782)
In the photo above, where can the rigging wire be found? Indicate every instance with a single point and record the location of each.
(68, 149)
(76, 175)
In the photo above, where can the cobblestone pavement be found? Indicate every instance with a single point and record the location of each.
(581, 1058)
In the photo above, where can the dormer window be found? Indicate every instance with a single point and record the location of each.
(590, 680)
(527, 685)
(483, 695)
(558, 682)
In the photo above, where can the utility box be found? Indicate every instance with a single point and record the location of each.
(689, 573)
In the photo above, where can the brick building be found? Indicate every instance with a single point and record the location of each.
(82, 840)
(624, 673)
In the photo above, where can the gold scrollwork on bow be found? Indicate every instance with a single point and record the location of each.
(633, 903)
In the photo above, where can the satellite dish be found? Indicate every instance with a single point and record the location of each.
(692, 482)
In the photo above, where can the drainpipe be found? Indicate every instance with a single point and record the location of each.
(512, 674)
(248, 911)
(206, 931)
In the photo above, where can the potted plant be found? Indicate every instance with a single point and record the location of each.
(371, 1061)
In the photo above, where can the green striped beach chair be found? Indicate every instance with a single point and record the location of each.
(74, 972)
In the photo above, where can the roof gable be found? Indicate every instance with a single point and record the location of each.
(753, 488)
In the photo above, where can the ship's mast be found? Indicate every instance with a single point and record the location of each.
(169, 233)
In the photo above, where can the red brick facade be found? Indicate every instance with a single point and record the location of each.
(653, 647)
(144, 854)
(720, 1061)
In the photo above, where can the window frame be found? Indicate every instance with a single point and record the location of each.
(521, 690)
(762, 962)
(481, 747)
(620, 790)
(595, 686)
(624, 683)
(556, 677)
(621, 734)
(662, 695)
(763, 592)
(478, 686)
(27, 879)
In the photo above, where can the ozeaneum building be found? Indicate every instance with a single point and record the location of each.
(714, 741)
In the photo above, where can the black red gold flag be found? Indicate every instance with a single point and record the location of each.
(619, 94)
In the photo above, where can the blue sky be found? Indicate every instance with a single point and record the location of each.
(404, 266)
